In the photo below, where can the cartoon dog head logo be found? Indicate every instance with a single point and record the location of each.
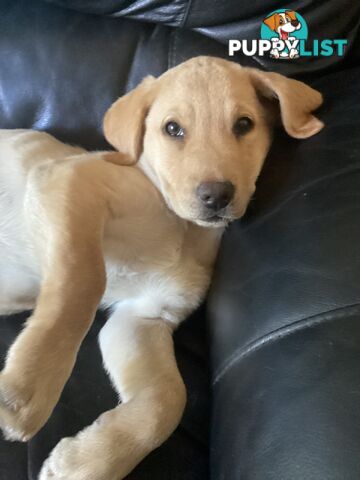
(283, 23)
(284, 28)
(283, 36)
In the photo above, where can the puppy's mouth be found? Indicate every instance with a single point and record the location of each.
(222, 218)
(215, 221)
(284, 35)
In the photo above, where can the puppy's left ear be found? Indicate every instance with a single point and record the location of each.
(296, 100)
(124, 122)
(291, 14)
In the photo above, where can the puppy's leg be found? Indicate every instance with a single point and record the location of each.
(42, 357)
(139, 356)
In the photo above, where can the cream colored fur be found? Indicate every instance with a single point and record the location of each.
(79, 229)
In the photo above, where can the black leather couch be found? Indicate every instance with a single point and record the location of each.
(272, 362)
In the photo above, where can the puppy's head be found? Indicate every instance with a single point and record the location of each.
(283, 23)
(202, 131)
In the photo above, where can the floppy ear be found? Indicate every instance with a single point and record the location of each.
(124, 122)
(271, 21)
(291, 14)
(296, 100)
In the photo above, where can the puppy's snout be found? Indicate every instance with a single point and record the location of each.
(215, 195)
(294, 23)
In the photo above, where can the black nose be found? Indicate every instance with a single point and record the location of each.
(294, 23)
(215, 195)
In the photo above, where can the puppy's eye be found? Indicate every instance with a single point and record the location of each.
(281, 21)
(174, 130)
(242, 126)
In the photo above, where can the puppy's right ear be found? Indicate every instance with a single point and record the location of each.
(124, 122)
(271, 21)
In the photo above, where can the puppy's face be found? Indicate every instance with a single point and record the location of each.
(202, 133)
(206, 139)
(283, 23)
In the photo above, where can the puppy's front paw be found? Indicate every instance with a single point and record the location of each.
(99, 452)
(62, 463)
(294, 53)
(23, 410)
(77, 458)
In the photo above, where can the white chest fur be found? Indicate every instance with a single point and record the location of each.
(158, 262)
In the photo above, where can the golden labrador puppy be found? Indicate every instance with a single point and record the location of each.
(76, 230)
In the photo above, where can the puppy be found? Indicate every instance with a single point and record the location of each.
(284, 24)
(77, 229)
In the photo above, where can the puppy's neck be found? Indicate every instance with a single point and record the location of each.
(149, 172)
(146, 168)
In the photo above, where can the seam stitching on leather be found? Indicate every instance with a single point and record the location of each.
(282, 333)
(186, 14)
(172, 49)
